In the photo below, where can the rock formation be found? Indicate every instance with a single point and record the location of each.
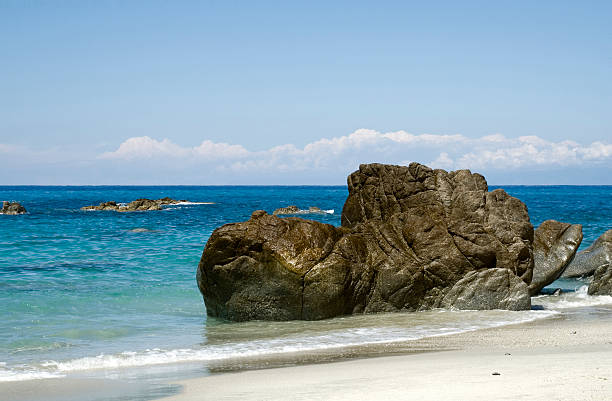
(554, 247)
(138, 205)
(586, 262)
(12, 208)
(411, 238)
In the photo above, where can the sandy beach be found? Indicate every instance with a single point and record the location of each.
(562, 358)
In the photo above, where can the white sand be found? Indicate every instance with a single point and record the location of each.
(555, 359)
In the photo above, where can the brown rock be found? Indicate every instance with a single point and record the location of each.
(586, 262)
(287, 210)
(256, 269)
(137, 205)
(489, 289)
(554, 247)
(12, 208)
(602, 281)
(411, 238)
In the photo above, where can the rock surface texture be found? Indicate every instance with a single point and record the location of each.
(12, 208)
(602, 281)
(139, 205)
(586, 262)
(554, 247)
(411, 238)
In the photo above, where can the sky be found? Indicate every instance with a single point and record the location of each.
(301, 93)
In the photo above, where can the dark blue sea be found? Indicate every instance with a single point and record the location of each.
(106, 294)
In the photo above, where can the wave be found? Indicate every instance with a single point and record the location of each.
(13, 375)
(462, 321)
(183, 203)
(573, 299)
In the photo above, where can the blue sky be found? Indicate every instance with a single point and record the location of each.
(111, 92)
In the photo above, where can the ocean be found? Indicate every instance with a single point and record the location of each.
(113, 295)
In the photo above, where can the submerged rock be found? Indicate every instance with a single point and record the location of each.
(287, 210)
(138, 205)
(554, 247)
(411, 238)
(602, 281)
(586, 262)
(296, 210)
(12, 208)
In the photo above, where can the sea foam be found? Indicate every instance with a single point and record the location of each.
(571, 299)
(333, 339)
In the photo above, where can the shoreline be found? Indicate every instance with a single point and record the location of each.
(566, 356)
(562, 357)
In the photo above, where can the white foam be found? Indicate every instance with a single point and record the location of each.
(336, 339)
(340, 338)
(191, 203)
(25, 373)
(576, 299)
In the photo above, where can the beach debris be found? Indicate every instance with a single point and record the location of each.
(138, 205)
(554, 247)
(12, 208)
(597, 255)
(474, 251)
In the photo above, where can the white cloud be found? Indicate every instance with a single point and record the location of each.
(441, 151)
(144, 147)
(140, 160)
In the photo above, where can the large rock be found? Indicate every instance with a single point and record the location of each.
(554, 247)
(256, 269)
(12, 208)
(138, 205)
(489, 289)
(602, 281)
(411, 238)
(586, 262)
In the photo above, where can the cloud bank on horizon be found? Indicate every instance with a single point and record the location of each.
(145, 160)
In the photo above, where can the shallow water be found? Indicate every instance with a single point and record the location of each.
(108, 294)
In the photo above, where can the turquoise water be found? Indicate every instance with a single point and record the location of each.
(85, 291)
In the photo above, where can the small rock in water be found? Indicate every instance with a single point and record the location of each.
(287, 210)
(140, 230)
(296, 210)
(138, 205)
(12, 208)
(496, 374)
